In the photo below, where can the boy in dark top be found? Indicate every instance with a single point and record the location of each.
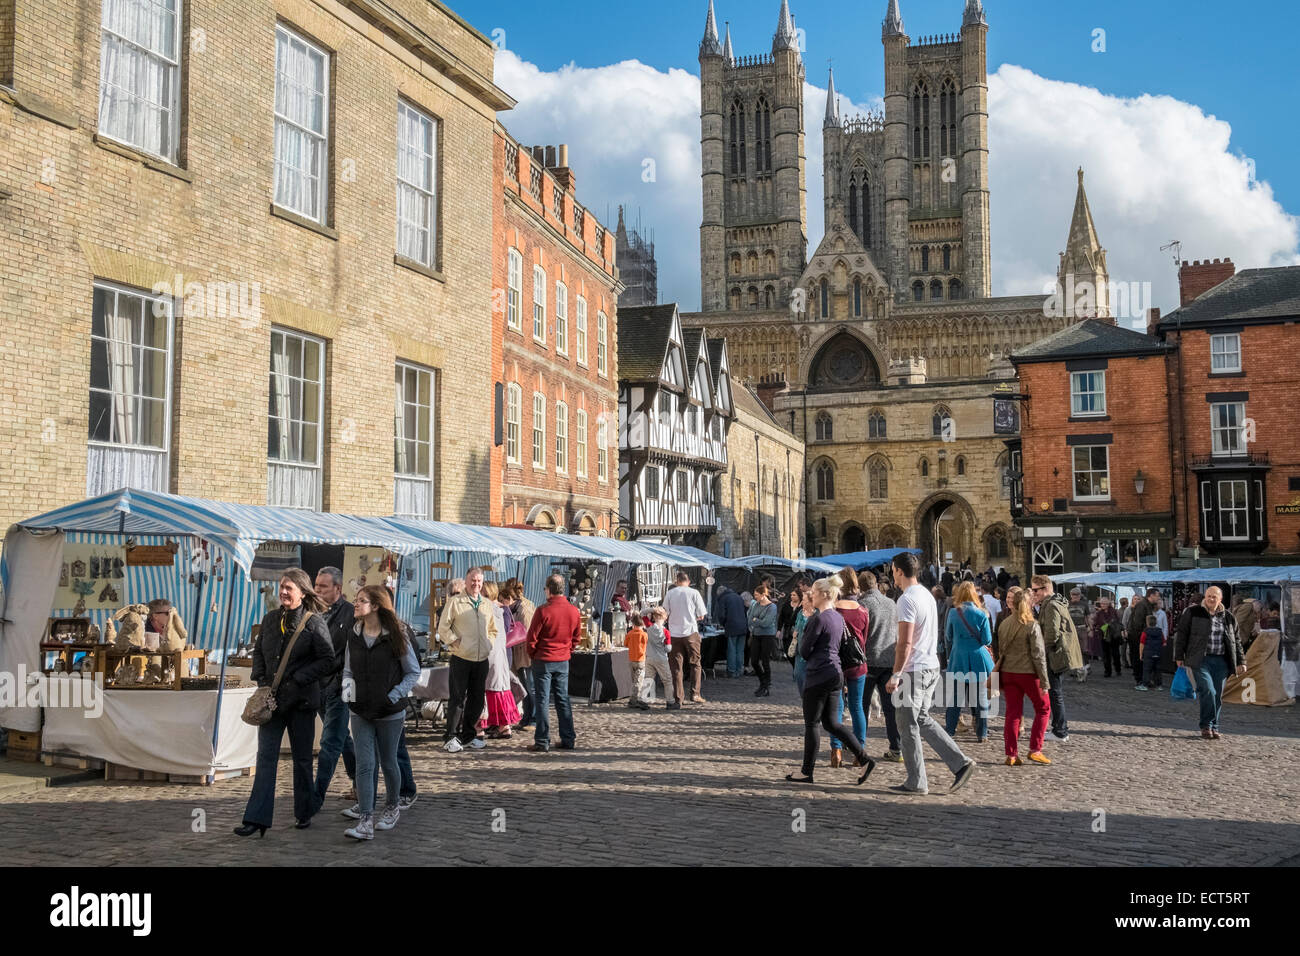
(1153, 642)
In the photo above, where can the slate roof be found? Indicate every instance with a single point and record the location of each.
(1250, 295)
(715, 359)
(746, 398)
(1089, 339)
(643, 341)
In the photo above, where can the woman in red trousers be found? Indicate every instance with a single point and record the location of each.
(1022, 669)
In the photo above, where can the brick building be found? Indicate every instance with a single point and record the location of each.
(1232, 382)
(555, 341)
(1095, 486)
(228, 230)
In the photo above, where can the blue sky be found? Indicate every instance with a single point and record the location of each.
(1184, 92)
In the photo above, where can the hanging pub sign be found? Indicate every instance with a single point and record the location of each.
(1006, 416)
(151, 555)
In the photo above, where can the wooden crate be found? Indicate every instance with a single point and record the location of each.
(73, 761)
(120, 773)
(24, 745)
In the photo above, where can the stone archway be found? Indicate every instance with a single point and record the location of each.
(947, 529)
(852, 538)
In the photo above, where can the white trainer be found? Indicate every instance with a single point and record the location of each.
(453, 746)
(364, 830)
(478, 743)
(388, 819)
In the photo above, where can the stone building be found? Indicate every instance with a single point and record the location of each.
(246, 252)
(556, 327)
(888, 327)
(760, 502)
(637, 267)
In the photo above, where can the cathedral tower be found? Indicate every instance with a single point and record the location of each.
(1082, 279)
(753, 236)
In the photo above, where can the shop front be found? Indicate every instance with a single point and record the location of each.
(1068, 544)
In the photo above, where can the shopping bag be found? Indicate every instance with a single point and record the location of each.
(1182, 687)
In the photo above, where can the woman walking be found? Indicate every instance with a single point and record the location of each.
(293, 635)
(1106, 635)
(968, 634)
(762, 615)
(820, 648)
(502, 711)
(379, 669)
(801, 619)
(856, 619)
(1022, 666)
(521, 609)
(786, 618)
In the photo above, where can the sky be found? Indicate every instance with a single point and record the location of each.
(1174, 108)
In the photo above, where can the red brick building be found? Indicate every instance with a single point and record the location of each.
(554, 465)
(1233, 386)
(1096, 490)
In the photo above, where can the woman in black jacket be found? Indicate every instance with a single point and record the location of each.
(297, 698)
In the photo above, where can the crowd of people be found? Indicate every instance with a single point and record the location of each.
(869, 644)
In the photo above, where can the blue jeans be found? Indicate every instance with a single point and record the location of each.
(526, 709)
(377, 741)
(735, 655)
(852, 698)
(548, 675)
(1210, 675)
(334, 741)
(972, 691)
(403, 770)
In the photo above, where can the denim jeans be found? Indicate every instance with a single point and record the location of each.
(334, 741)
(970, 691)
(377, 741)
(526, 708)
(915, 696)
(1060, 726)
(403, 770)
(301, 725)
(1210, 675)
(553, 676)
(878, 677)
(852, 698)
(735, 655)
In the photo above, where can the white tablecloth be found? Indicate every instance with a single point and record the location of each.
(158, 730)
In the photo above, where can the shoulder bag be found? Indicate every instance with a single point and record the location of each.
(261, 705)
(851, 652)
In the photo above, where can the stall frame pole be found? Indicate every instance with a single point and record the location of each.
(221, 681)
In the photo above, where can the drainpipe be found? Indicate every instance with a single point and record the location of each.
(758, 498)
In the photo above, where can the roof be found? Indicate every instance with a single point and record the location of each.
(1252, 294)
(746, 398)
(716, 347)
(643, 341)
(1087, 339)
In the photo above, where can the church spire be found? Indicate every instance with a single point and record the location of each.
(974, 15)
(893, 25)
(1082, 273)
(785, 38)
(1083, 242)
(726, 47)
(709, 45)
(832, 103)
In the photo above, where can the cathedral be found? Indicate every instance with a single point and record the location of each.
(883, 349)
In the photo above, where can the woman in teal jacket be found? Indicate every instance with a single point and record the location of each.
(969, 635)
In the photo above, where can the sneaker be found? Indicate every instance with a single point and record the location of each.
(892, 756)
(364, 830)
(388, 819)
(1141, 687)
(901, 788)
(963, 776)
(674, 705)
(478, 743)
(353, 812)
(405, 803)
(1059, 738)
(538, 749)
(453, 746)
(1039, 757)
(568, 746)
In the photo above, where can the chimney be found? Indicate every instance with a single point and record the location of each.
(1197, 278)
(564, 155)
(1153, 319)
(563, 174)
(550, 157)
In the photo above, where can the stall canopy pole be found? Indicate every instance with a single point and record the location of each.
(221, 681)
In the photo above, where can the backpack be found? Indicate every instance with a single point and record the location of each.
(851, 651)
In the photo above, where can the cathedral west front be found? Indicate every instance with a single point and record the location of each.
(882, 347)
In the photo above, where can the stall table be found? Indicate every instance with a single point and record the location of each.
(613, 674)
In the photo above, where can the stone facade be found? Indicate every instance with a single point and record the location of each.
(84, 208)
(573, 369)
(637, 267)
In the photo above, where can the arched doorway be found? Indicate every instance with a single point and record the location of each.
(853, 539)
(947, 530)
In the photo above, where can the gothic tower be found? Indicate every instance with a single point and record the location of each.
(753, 236)
(1082, 278)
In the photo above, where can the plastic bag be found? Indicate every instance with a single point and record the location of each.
(1182, 687)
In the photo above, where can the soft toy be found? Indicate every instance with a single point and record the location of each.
(175, 638)
(132, 633)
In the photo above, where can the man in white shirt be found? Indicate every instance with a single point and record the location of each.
(685, 610)
(991, 602)
(915, 678)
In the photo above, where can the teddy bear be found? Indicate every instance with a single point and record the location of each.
(132, 633)
(175, 638)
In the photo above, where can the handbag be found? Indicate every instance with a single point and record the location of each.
(517, 634)
(851, 652)
(261, 705)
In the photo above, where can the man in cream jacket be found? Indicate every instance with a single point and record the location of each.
(468, 627)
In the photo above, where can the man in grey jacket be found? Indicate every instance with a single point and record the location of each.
(882, 635)
(1207, 644)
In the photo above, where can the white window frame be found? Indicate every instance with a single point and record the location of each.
(539, 431)
(113, 41)
(1239, 506)
(539, 304)
(580, 332)
(1076, 471)
(408, 480)
(1231, 356)
(1081, 396)
(423, 195)
(602, 450)
(1221, 447)
(580, 423)
(561, 319)
(1043, 552)
(602, 344)
(322, 136)
(514, 418)
(99, 451)
(302, 463)
(514, 289)
(561, 438)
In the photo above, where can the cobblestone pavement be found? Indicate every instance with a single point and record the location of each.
(704, 786)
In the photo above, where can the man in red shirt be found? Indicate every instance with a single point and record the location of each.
(552, 636)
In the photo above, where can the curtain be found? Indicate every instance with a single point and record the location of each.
(108, 469)
(121, 368)
(402, 463)
(299, 140)
(280, 388)
(412, 497)
(293, 486)
(414, 183)
(138, 73)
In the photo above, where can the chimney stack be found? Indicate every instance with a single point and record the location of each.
(1197, 278)
(1153, 319)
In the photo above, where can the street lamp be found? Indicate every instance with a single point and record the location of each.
(1139, 482)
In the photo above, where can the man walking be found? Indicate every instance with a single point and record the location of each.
(1062, 644)
(552, 636)
(882, 638)
(334, 714)
(1208, 645)
(915, 677)
(685, 610)
(731, 617)
(468, 627)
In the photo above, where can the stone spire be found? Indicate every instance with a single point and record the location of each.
(726, 47)
(893, 26)
(1084, 262)
(621, 231)
(709, 46)
(785, 38)
(832, 103)
(974, 15)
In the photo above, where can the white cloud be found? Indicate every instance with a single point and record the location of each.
(1156, 169)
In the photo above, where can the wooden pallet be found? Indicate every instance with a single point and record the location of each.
(72, 760)
(119, 773)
